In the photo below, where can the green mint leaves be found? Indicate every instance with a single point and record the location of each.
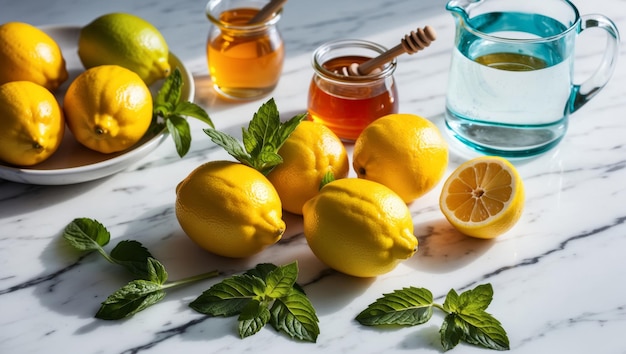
(270, 294)
(261, 140)
(171, 110)
(151, 277)
(264, 294)
(465, 320)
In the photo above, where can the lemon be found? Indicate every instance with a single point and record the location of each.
(311, 151)
(28, 53)
(359, 227)
(483, 197)
(108, 108)
(126, 40)
(405, 152)
(229, 209)
(31, 123)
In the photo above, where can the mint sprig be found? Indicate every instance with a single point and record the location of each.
(151, 281)
(264, 294)
(168, 109)
(261, 140)
(465, 316)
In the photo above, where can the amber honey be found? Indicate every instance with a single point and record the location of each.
(244, 61)
(347, 105)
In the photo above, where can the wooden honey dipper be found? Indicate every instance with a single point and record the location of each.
(267, 11)
(411, 44)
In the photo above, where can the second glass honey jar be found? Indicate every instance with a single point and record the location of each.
(245, 59)
(347, 103)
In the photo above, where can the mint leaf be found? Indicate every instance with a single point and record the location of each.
(228, 297)
(262, 132)
(285, 129)
(130, 299)
(477, 299)
(169, 95)
(480, 328)
(167, 104)
(468, 316)
(279, 282)
(263, 269)
(253, 317)
(156, 271)
(264, 293)
(451, 303)
(465, 320)
(132, 256)
(409, 306)
(191, 109)
(451, 331)
(178, 128)
(261, 140)
(295, 316)
(86, 235)
(230, 144)
(328, 177)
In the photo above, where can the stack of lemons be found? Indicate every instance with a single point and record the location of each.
(360, 226)
(108, 107)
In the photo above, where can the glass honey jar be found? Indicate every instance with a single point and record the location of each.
(348, 103)
(245, 60)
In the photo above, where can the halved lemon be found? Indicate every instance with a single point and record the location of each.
(483, 197)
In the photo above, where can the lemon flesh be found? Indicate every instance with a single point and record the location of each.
(483, 197)
(128, 41)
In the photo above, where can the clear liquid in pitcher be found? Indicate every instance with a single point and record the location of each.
(501, 96)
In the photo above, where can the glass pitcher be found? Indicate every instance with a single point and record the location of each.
(510, 89)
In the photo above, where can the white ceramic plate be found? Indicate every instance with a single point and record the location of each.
(73, 163)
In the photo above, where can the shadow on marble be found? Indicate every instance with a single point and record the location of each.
(18, 198)
(74, 283)
(442, 249)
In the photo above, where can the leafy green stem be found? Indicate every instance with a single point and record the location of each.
(169, 109)
(441, 307)
(192, 279)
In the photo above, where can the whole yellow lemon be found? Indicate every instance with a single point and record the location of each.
(229, 209)
(311, 151)
(405, 152)
(108, 108)
(359, 227)
(31, 123)
(28, 53)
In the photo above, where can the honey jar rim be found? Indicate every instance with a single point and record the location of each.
(387, 71)
(210, 14)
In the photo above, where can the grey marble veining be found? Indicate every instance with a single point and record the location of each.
(558, 275)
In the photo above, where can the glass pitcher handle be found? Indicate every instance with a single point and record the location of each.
(584, 92)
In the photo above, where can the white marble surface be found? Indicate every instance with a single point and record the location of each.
(558, 276)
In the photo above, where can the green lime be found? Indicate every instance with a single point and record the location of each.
(125, 40)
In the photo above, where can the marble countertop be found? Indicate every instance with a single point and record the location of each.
(558, 275)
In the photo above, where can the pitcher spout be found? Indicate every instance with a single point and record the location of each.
(461, 8)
